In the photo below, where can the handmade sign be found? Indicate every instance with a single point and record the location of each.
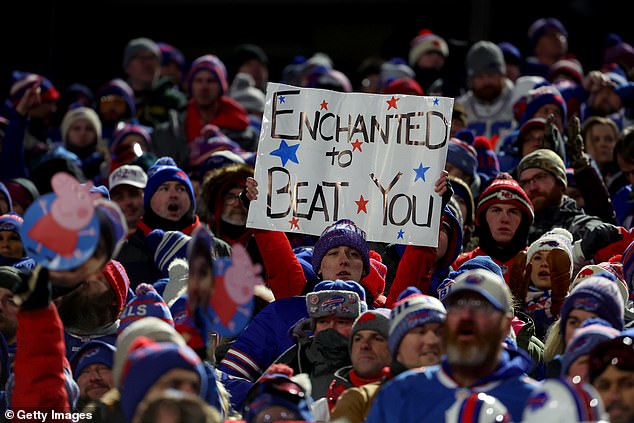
(374, 159)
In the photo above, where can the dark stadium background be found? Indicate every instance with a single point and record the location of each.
(83, 42)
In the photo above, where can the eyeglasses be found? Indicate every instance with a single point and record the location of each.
(538, 178)
(618, 352)
(116, 102)
(475, 305)
(231, 197)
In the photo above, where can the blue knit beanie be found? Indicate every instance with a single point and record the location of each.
(596, 294)
(278, 389)
(591, 333)
(146, 302)
(211, 63)
(342, 232)
(165, 174)
(463, 156)
(147, 362)
(411, 311)
(540, 96)
(11, 222)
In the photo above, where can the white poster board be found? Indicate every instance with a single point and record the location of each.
(374, 159)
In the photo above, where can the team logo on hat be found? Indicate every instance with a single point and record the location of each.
(332, 303)
(586, 303)
(537, 401)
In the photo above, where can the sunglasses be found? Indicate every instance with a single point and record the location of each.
(618, 352)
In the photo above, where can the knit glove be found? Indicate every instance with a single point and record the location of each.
(574, 145)
(35, 291)
(559, 263)
(552, 138)
(446, 197)
(519, 278)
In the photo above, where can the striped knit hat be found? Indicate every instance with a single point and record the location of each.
(504, 189)
(411, 311)
(591, 333)
(596, 294)
(118, 280)
(147, 302)
(167, 246)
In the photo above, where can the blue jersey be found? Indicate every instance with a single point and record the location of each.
(264, 339)
(425, 395)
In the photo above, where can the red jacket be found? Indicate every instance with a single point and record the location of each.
(414, 269)
(284, 273)
(506, 266)
(39, 362)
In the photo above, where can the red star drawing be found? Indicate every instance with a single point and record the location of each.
(294, 223)
(361, 203)
(357, 145)
(392, 103)
(324, 105)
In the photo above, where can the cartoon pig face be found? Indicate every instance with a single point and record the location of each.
(73, 208)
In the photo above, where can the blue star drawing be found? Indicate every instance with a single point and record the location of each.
(282, 99)
(435, 102)
(286, 152)
(420, 172)
(400, 234)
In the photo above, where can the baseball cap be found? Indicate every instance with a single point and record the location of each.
(128, 175)
(486, 283)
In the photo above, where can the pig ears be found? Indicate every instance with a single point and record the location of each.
(58, 241)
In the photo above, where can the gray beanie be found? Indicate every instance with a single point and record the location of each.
(139, 45)
(10, 277)
(485, 56)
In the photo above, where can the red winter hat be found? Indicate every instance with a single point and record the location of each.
(504, 189)
(118, 280)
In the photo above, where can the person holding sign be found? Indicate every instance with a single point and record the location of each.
(341, 252)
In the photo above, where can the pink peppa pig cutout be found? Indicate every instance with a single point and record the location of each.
(231, 304)
(61, 229)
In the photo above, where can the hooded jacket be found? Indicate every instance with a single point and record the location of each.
(433, 390)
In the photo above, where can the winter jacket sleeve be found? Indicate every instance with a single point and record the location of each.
(414, 269)
(39, 361)
(595, 193)
(264, 339)
(284, 273)
(618, 247)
